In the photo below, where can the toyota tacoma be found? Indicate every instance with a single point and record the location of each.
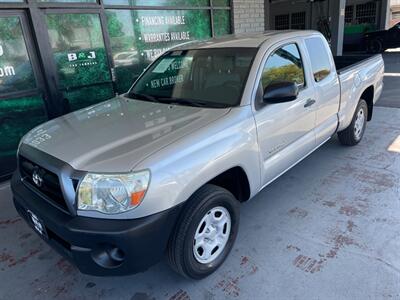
(162, 169)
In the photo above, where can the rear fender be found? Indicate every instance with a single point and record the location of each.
(354, 82)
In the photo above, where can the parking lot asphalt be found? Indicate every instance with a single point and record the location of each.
(327, 229)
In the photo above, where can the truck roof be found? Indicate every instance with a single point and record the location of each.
(246, 40)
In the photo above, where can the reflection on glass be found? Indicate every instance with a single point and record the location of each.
(320, 62)
(158, 2)
(139, 36)
(285, 64)
(17, 117)
(86, 96)
(16, 73)
(78, 47)
(79, 52)
(221, 2)
(69, 1)
(222, 22)
(204, 77)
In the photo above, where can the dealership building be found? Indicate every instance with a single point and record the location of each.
(60, 56)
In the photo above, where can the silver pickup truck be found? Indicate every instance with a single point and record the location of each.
(163, 169)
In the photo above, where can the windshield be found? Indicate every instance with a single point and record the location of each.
(205, 77)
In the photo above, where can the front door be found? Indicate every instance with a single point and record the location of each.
(80, 57)
(285, 130)
(22, 104)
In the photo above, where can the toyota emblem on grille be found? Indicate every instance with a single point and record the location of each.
(37, 179)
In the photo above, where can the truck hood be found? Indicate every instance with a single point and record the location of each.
(114, 136)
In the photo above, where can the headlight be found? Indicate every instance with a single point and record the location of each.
(112, 193)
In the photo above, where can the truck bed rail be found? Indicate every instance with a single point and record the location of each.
(345, 62)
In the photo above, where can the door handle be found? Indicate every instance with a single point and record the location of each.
(310, 102)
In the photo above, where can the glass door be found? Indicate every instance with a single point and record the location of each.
(78, 49)
(21, 87)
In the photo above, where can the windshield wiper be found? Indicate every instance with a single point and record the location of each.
(143, 97)
(177, 101)
(191, 102)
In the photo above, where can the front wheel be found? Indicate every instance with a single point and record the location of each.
(205, 233)
(353, 134)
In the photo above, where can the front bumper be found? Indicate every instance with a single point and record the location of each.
(99, 247)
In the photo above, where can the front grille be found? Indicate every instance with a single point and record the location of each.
(50, 183)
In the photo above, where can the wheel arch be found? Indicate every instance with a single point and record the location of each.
(236, 181)
(368, 96)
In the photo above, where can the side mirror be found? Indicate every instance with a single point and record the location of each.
(280, 92)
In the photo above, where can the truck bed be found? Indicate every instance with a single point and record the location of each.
(358, 74)
(345, 62)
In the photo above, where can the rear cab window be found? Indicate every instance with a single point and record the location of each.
(320, 63)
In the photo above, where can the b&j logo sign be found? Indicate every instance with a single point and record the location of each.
(5, 71)
(82, 59)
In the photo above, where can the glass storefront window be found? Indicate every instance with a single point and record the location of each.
(222, 22)
(221, 2)
(158, 2)
(79, 52)
(139, 36)
(89, 95)
(16, 73)
(17, 117)
(69, 1)
(78, 49)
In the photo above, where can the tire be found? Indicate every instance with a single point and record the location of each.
(203, 207)
(353, 134)
(375, 46)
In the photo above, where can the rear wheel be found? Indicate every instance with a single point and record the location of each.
(205, 233)
(353, 134)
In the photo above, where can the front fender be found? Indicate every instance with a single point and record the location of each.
(180, 169)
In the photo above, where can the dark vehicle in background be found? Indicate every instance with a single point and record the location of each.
(379, 41)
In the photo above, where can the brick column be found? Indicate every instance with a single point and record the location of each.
(248, 16)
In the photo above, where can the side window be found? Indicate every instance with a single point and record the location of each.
(320, 62)
(284, 64)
